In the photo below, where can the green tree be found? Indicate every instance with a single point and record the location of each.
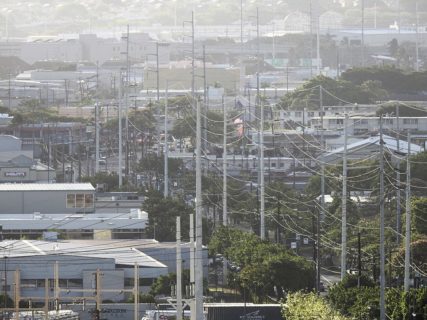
(31, 111)
(304, 306)
(363, 302)
(394, 80)
(162, 213)
(404, 110)
(419, 214)
(334, 92)
(261, 265)
(163, 285)
(9, 303)
(111, 180)
(186, 127)
(418, 172)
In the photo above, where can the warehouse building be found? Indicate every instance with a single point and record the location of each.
(77, 264)
(68, 211)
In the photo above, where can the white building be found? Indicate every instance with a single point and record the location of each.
(304, 116)
(77, 262)
(358, 125)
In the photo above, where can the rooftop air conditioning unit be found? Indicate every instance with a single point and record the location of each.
(37, 216)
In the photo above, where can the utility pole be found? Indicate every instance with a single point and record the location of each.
(49, 152)
(242, 77)
(96, 137)
(318, 39)
(398, 207)
(359, 259)
(9, 92)
(362, 44)
(205, 108)
(311, 40)
(382, 252)
(190, 292)
(120, 132)
(408, 217)
(66, 92)
(198, 290)
(178, 270)
(344, 205)
(261, 169)
(322, 149)
(98, 294)
(398, 16)
(193, 67)
(224, 167)
(224, 185)
(417, 63)
(136, 291)
(166, 151)
(321, 212)
(127, 101)
(259, 105)
(157, 72)
(318, 262)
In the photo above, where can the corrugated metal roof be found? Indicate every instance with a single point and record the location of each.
(46, 187)
(389, 144)
(122, 251)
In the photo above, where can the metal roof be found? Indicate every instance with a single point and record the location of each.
(46, 187)
(93, 221)
(124, 252)
(390, 144)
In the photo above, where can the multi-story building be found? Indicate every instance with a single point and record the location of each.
(304, 116)
(359, 125)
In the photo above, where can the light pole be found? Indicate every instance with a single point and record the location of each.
(5, 287)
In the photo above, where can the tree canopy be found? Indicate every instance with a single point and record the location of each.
(302, 306)
(404, 110)
(263, 268)
(335, 92)
(162, 213)
(393, 80)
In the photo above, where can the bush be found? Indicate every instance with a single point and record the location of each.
(363, 302)
(304, 306)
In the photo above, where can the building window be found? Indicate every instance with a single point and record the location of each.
(75, 283)
(298, 114)
(71, 200)
(410, 121)
(28, 283)
(146, 282)
(129, 282)
(79, 200)
(89, 200)
(40, 283)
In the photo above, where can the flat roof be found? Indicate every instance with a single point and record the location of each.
(46, 187)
